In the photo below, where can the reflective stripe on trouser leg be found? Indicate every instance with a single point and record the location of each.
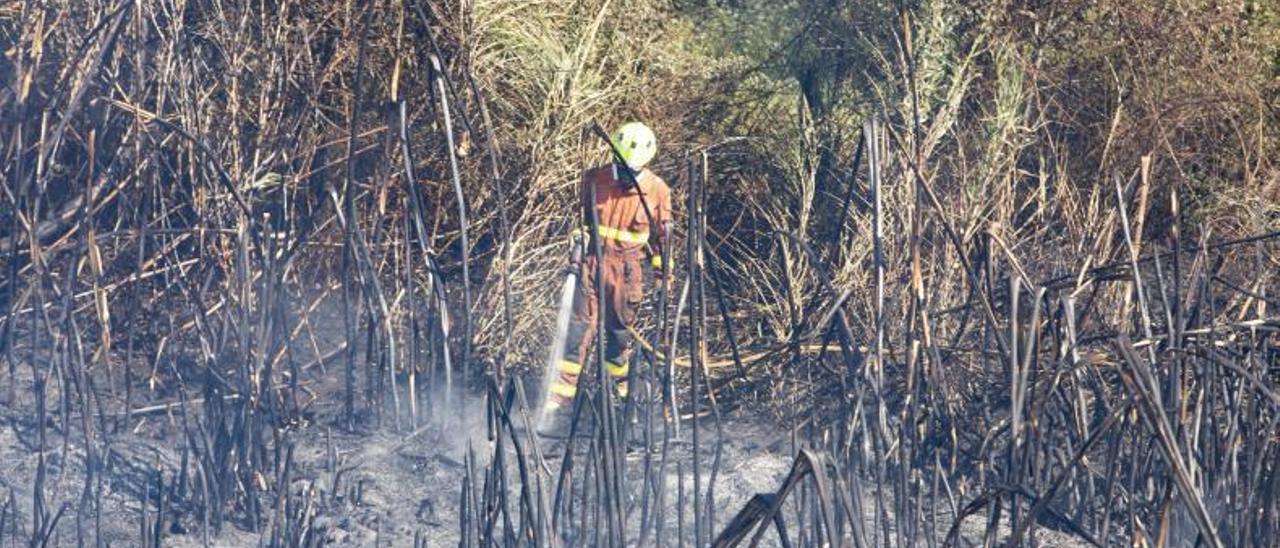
(565, 384)
(618, 358)
(619, 373)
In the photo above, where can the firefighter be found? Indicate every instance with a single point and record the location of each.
(630, 237)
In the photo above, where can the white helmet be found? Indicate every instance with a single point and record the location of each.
(636, 144)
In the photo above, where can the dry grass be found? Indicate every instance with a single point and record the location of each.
(216, 203)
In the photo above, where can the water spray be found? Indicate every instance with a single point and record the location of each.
(563, 314)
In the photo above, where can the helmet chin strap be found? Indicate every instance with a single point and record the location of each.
(626, 181)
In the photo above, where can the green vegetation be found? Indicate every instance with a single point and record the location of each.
(230, 201)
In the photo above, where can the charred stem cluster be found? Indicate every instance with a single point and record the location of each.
(179, 230)
(169, 268)
(1126, 405)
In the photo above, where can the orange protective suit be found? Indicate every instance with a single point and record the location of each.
(627, 238)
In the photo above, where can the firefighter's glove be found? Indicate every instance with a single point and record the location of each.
(662, 275)
(577, 248)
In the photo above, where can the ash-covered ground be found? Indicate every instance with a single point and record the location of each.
(368, 487)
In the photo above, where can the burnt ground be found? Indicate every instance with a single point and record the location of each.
(374, 487)
(365, 486)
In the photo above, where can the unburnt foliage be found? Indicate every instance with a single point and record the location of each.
(1015, 259)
